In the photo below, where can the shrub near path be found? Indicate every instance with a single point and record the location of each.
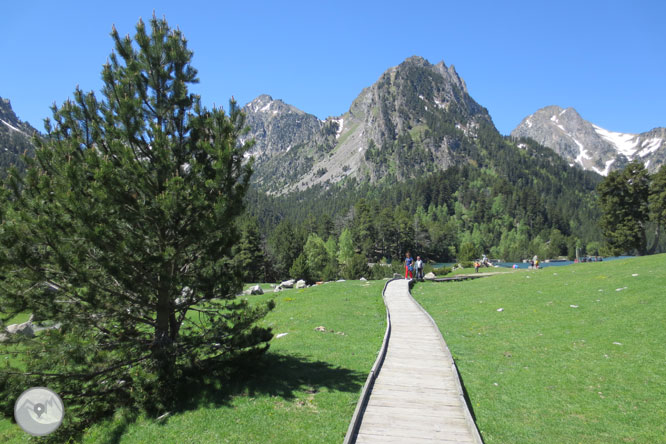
(576, 354)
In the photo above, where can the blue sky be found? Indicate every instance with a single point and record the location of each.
(607, 59)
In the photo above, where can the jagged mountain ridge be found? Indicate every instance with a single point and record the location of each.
(15, 137)
(414, 119)
(276, 126)
(590, 146)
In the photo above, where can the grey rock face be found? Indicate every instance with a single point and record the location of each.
(15, 137)
(277, 127)
(588, 145)
(403, 110)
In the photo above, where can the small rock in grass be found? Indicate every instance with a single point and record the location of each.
(495, 384)
(573, 306)
(320, 328)
(500, 309)
(620, 289)
(363, 279)
(288, 284)
(617, 343)
(280, 335)
(635, 274)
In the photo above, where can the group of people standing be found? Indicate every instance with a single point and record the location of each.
(412, 266)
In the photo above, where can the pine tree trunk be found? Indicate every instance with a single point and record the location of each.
(162, 336)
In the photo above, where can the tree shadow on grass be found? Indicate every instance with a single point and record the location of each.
(274, 374)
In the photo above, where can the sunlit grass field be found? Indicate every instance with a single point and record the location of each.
(305, 391)
(573, 354)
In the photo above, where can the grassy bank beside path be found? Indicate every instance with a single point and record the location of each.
(572, 354)
(304, 391)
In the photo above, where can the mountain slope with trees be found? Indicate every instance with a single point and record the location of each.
(421, 167)
(15, 138)
(417, 118)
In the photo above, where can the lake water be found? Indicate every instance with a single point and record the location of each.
(526, 265)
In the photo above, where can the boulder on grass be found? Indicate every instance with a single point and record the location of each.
(288, 284)
(256, 290)
(429, 276)
(24, 329)
(300, 284)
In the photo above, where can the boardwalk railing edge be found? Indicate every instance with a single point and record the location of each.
(355, 423)
(468, 416)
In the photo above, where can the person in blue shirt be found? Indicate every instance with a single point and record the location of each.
(409, 266)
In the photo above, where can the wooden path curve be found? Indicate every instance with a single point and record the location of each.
(413, 394)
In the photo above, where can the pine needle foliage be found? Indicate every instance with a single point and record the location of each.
(120, 232)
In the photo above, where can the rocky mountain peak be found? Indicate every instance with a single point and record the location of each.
(588, 145)
(266, 104)
(15, 137)
(277, 127)
(392, 119)
(9, 121)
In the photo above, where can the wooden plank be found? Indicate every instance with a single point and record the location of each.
(457, 435)
(366, 438)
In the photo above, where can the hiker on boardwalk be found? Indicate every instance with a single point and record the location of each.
(419, 268)
(409, 266)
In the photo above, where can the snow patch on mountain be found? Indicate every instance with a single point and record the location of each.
(624, 143)
(650, 146)
(341, 125)
(12, 127)
(591, 146)
(582, 154)
(606, 170)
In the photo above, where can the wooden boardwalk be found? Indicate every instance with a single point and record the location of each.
(416, 396)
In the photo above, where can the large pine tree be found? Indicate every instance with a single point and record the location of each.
(623, 197)
(120, 232)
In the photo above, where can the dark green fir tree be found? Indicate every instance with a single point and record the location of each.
(623, 198)
(120, 233)
(248, 254)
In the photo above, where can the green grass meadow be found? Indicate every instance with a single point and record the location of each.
(305, 390)
(573, 354)
(577, 354)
